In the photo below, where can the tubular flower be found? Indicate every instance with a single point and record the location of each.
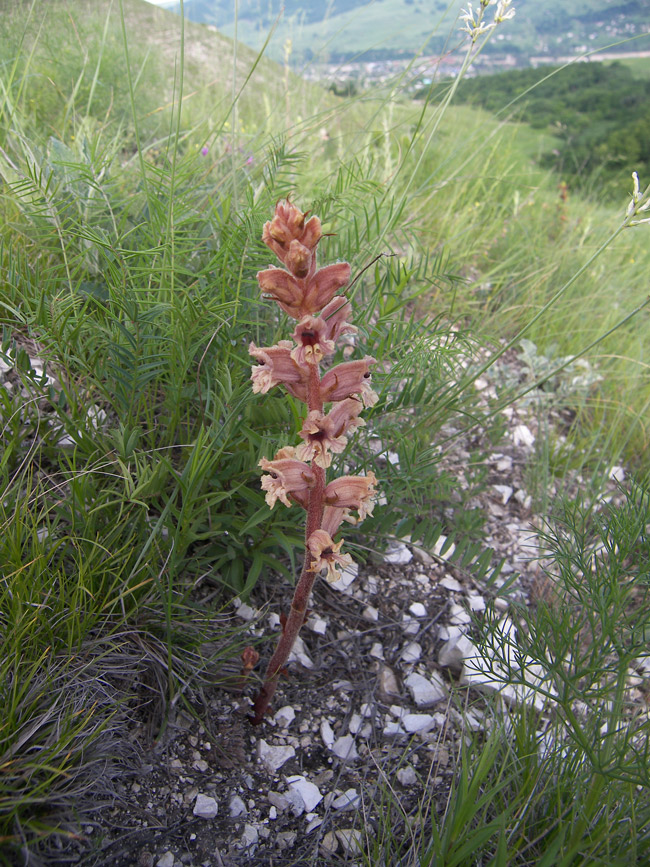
(313, 344)
(287, 477)
(348, 379)
(278, 284)
(326, 555)
(289, 225)
(333, 518)
(324, 434)
(303, 297)
(352, 492)
(277, 367)
(336, 315)
(324, 285)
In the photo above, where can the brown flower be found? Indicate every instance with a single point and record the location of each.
(348, 379)
(336, 315)
(289, 225)
(326, 555)
(324, 434)
(278, 367)
(287, 477)
(313, 343)
(352, 492)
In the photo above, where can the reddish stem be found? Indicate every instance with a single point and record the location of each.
(305, 583)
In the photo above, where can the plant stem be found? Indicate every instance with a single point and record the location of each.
(298, 611)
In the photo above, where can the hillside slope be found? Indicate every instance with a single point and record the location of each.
(341, 29)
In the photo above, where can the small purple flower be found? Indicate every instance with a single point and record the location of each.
(205, 150)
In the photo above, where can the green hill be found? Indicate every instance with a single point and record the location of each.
(342, 29)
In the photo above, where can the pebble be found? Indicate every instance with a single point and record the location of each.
(418, 722)
(424, 691)
(346, 578)
(246, 612)
(274, 757)
(356, 722)
(459, 614)
(411, 652)
(407, 776)
(285, 716)
(377, 650)
(450, 583)
(423, 556)
(476, 603)
(440, 544)
(303, 795)
(350, 839)
(504, 491)
(370, 613)
(523, 436)
(237, 807)
(205, 807)
(166, 860)
(317, 625)
(348, 799)
(454, 653)
(250, 836)
(299, 654)
(313, 822)
(279, 801)
(345, 748)
(417, 609)
(398, 554)
(393, 729)
(410, 625)
(388, 685)
(329, 844)
(327, 733)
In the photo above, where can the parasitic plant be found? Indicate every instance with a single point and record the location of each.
(334, 398)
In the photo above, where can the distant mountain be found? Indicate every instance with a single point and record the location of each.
(346, 29)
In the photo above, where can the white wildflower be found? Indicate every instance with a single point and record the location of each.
(503, 11)
(640, 202)
(474, 24)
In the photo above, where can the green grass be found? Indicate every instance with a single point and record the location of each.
(127, 265)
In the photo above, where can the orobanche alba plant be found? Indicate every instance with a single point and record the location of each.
(333, 399)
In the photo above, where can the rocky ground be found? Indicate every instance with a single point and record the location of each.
(382, 688)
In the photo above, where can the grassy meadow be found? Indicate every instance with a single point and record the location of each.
(139, 160)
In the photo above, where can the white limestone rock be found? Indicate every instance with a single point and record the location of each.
(205, 807)
(398, 554)
(303, 795)
(411, 652)
(285, 716)
(426, 691)
(327, 733)
(348, 799)
(346, 578)
(274, 757)
(345, 748)
(407, 776)
(418, 722)
(237, 807)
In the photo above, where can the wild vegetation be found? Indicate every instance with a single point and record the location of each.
(598, 114)
(139, 159)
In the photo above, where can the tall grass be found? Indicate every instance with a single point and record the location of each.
(135, 186)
